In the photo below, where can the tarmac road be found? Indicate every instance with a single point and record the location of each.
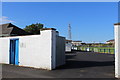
(78, 65)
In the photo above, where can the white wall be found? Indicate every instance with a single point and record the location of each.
(37, 51)
(60, 50)
(5, 50)
(53, 48)
(117, 50)
(0, 50)
(0, 59)
(68, 47)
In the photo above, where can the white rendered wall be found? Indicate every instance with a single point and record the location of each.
(53, 48)
(4, 50)
(60, 51)
(68, 47)
(34, 51)
(117, 51)
(0, 50)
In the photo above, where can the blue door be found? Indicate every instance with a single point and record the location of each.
(14, 51)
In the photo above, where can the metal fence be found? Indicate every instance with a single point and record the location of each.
(109, 50)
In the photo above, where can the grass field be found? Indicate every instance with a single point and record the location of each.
(109, 50)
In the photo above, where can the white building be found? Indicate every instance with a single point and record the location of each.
(45, 51)
(68, 47)
(110, 41)
(76, 43)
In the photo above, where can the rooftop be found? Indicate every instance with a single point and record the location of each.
(9, 29)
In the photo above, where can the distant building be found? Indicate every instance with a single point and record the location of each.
(110, 41)
(68, 46)
(76, 43)
(11, 30)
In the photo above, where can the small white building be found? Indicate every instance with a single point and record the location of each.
(75, 44)
(68, 46)
(45, 51)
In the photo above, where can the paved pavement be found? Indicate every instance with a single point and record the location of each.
(78, 65)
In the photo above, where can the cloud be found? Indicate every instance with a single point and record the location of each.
(5, 19)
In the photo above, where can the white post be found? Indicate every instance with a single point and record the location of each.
(117, 49)
(0, 59)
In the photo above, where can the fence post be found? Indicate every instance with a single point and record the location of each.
(92, 49)
(109, 51)
(100, 50)
(104, 50)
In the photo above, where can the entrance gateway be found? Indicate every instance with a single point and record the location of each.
(14, 51)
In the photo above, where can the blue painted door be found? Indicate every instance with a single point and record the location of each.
(14, 51)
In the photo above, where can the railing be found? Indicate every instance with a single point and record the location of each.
(109, 50)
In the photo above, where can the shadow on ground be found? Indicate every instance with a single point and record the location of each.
(78, 65)
(75, 64)
(83, 64)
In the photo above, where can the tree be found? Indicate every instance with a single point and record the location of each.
(34, 28)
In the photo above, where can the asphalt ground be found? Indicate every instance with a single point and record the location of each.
(78, 65)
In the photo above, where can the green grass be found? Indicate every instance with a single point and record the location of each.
(109, 50)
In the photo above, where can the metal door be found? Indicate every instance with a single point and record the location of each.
(14, 47)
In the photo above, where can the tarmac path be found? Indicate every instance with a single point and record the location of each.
(78, 65)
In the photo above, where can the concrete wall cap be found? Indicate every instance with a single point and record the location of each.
(117, 24)
(47, 29)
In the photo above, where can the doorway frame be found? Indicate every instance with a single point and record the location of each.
(16, 52)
